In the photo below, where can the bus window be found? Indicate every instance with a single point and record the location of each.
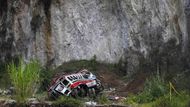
(66, 92)
(65, 82)
(70, 78)
(74, 77)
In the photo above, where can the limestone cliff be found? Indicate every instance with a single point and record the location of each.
(139, 32)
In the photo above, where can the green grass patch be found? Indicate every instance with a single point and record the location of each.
(91, 65)
(158, 93)
(103, 99)
(182, 100)
(68, 102)
(154, 88)
(25, 78)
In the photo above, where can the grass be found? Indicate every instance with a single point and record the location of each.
(155, 87)
(182, 100)
(46, 75)
(103, 99)
(158, 93)
(91, 65)
(42, 96)
(25, 78)
(68, 102)
(3, 76)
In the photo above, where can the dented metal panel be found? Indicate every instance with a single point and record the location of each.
(77, 84)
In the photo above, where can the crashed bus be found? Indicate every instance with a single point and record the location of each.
(80, 84)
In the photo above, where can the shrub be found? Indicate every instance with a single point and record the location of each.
(154, 88)
(68, 102)
(25, 78)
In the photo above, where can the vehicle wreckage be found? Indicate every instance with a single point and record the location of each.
(80, 84)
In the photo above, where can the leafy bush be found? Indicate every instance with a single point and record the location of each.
(68, 102)
(25, 78)
(155, 87)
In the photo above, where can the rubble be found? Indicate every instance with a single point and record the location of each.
(33, 102)
(4, 92)
(90, 103)
(10, 103)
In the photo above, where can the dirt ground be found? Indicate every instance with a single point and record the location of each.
(118, 87)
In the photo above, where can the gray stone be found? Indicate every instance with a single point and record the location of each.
(48, 103)
(9, 102)
(33, 102)
(56, 31)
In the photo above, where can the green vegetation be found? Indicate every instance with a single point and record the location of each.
(182, 100)
(68, 102)
(25, 78)
(91, 65)
(46, 76)
(3, 76)
(42, 96)
(158, 93)
(103, 99)
(155, 87)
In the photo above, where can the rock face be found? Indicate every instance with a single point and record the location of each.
(83, 28)
(135, 31)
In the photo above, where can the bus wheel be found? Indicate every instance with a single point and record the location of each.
(91, 92)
